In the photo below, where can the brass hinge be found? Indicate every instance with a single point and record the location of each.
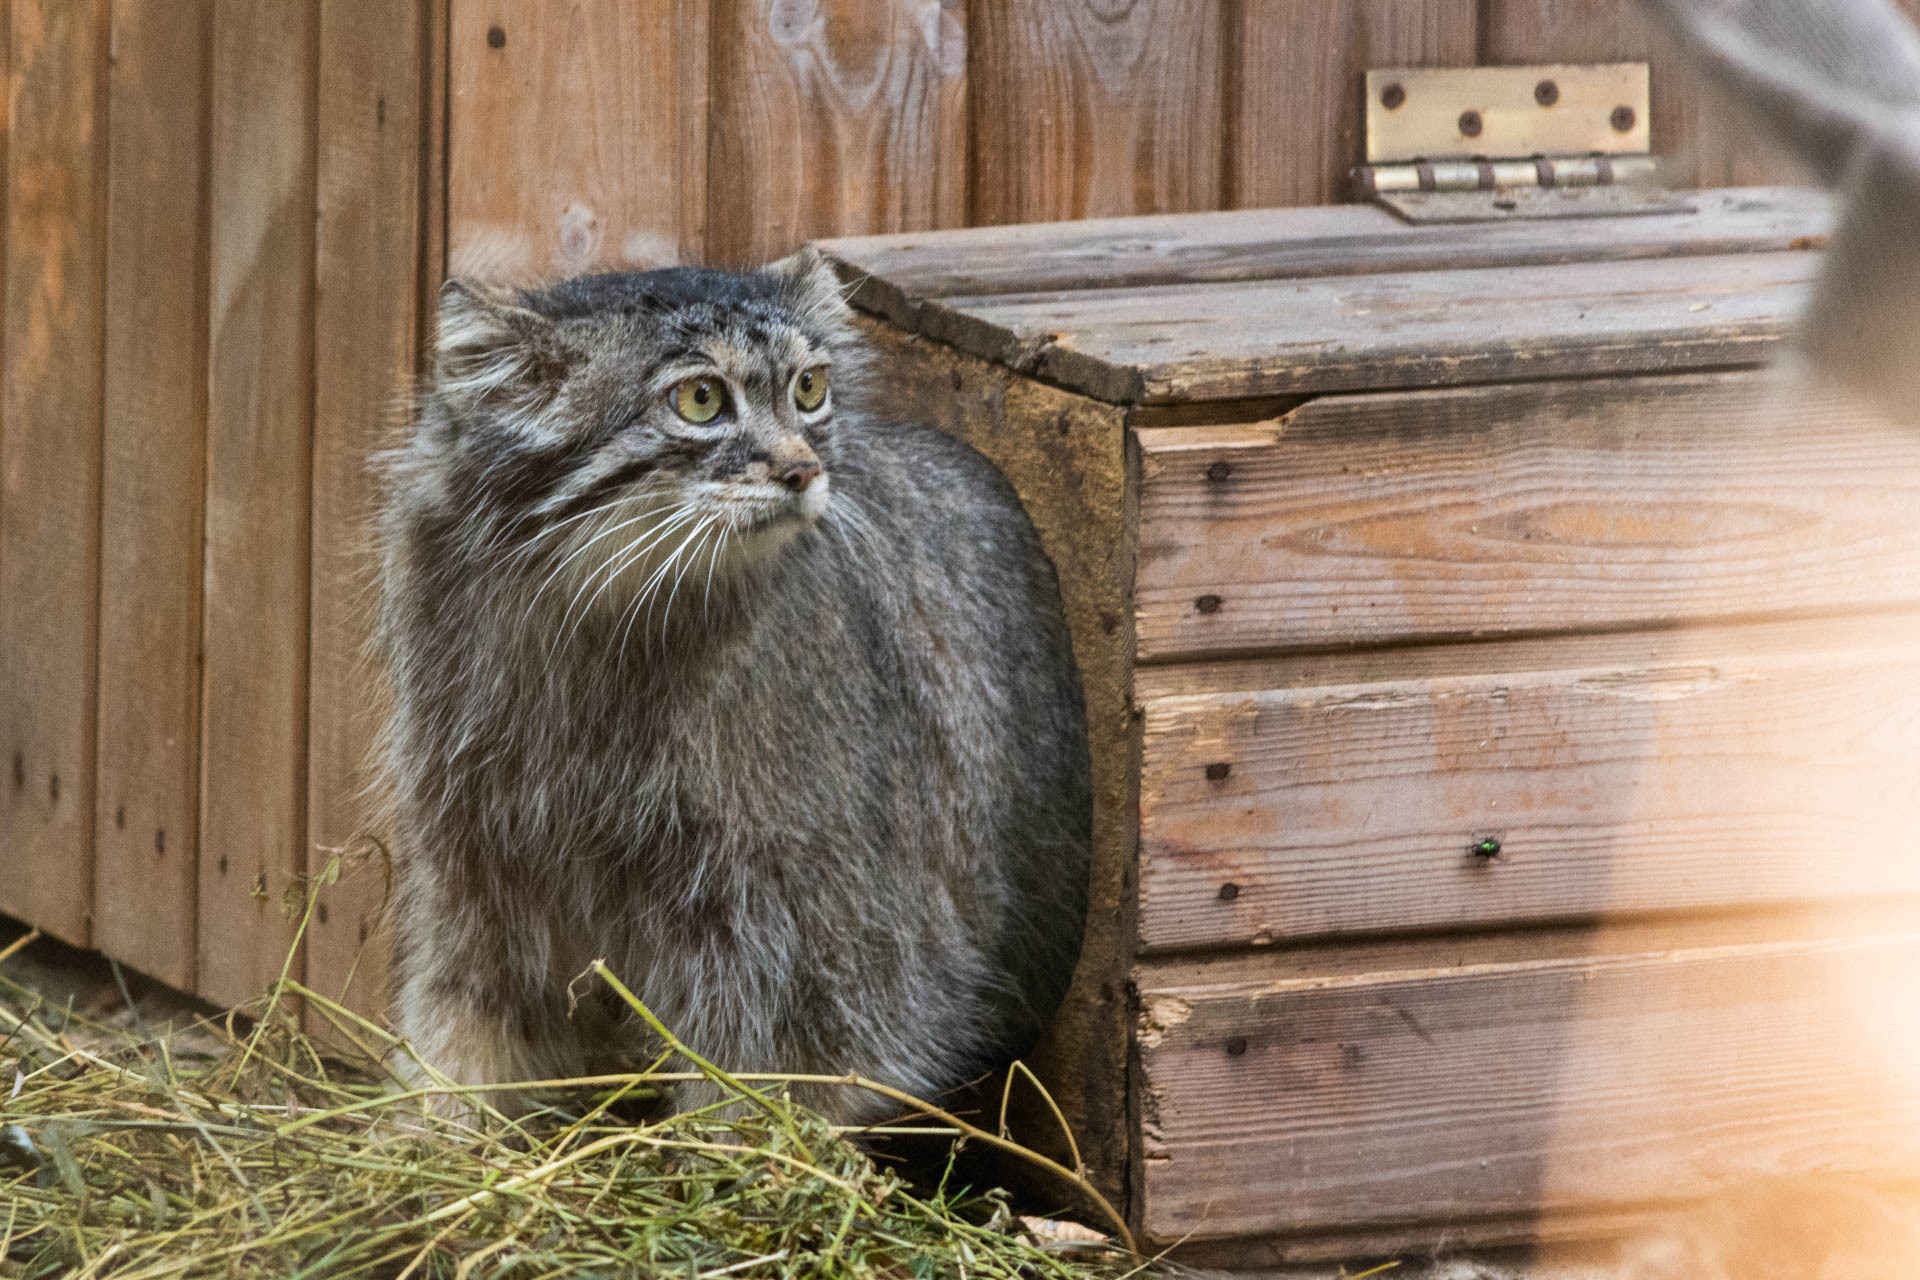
(1493, 143)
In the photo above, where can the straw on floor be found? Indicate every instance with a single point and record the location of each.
(246, 1150)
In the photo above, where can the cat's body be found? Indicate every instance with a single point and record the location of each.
(816, 789)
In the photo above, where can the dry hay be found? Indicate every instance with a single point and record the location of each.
(245, 1150)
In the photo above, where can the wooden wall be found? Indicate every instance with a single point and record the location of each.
(214, 226)
(597, 132)
(222, 219)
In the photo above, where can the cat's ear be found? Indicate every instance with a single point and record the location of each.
(488, 343)
(811, 281)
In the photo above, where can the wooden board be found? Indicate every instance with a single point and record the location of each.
(1703, 141)
(1224, 341)
(50, 460)
(253, 772)
(152, 482)
(894, 274)
(1701, 782)
(370, 127)
(831, 117)
(1502, 1090)
(1499, 510)
(575, 135)
(1084, 109)
(1297, 119)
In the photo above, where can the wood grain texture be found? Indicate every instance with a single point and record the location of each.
(1298, 119)
(1742, 639)
(1083, 108)
(834, 116)
(1066, 456)
(1701, 137)
(1431, 328)
(435, 54)
(1509, 1089)
(152, 483)
(50, 409)
(253, 772)
(1501, 510)
(571, 138)
(366, 251)
(1701, 782)
(894, 274)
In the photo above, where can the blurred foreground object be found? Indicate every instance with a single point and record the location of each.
(1837, 84)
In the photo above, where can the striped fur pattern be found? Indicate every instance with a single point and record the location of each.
(806, 766)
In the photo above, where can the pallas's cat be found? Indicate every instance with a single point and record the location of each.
(705, 667)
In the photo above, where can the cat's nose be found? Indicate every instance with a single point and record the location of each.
(799, 475)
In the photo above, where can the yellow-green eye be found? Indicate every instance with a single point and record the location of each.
(810, 388)
(699, 399)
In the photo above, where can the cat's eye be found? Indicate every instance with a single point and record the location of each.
(810, 388)
(699, 399)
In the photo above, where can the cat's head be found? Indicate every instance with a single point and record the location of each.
(622, 431)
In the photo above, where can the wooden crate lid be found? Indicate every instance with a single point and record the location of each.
(1259, 303)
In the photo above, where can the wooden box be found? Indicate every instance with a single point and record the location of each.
(1504, 705)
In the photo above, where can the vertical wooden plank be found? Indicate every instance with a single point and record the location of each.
(259, 441)
(1698, 133)
(1296, 117)
(153, 468)
(367, 248)
(50, 460)
(1083, 108)
(432, 270)
(570, 138)
(693, 111)
(834, 117)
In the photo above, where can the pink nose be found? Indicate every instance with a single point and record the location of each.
(798, 476)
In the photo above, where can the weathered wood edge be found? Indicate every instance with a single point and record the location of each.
(1067, 457)
(1302, 243)
(1044, 358)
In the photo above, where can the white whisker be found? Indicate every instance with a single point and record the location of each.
(617, 564)
(719, 545)
(527, 548)
(651, 589)
(575, 554)
(696, 539)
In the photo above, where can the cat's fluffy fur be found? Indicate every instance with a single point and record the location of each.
(808, 769)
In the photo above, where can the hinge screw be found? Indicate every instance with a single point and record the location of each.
(1546, 93)
(1622, 119)
(1470, 124)
(1392, 96)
